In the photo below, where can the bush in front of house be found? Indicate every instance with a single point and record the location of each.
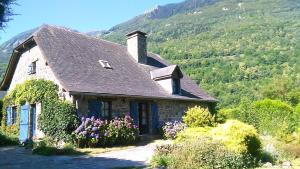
(58, 120)
(96, 132)
(192, 133)
(238, 137)
(201, 153)
(122, 131)
(198, 117)
(170, 129)
(8, 141)
(43, 148)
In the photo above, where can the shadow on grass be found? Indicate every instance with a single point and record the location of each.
(53, 151)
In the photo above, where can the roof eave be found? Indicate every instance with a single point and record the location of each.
(17, 52)
(139, 96)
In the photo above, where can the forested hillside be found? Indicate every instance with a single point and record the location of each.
(232, 48)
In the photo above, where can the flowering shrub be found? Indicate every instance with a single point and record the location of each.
(172, 128)
(96, 132)
(122, 131)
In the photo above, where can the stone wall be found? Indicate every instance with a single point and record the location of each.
(43, 70)
(120, 106)
(167, 110)
(174, 110)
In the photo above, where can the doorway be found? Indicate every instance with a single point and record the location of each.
(143, 110)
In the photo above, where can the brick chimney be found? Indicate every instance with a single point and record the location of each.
(137, 46)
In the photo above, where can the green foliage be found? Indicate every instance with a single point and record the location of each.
(161, 160)
(198, 117)
(193, 133)
(238, 137)
(274, 117)
(282, 88)
(232, 54)
(7, 141)
(269, 117)
(43, 149)
(1, 105)
(57, 119)
(202, 153)
(5, 12)
(96, 132)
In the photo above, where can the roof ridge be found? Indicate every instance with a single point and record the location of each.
(47, 26)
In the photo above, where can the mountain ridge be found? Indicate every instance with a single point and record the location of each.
(232, 48)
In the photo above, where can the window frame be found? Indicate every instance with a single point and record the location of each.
(106, 109)
(32, 68)
(13, 115)
(176, 87)
(105, 64)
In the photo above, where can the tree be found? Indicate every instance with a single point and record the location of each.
(5, 11)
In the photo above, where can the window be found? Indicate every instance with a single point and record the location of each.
(176, 86)
(105, 64)
(32, 68)
(14, 115)
(106, 110)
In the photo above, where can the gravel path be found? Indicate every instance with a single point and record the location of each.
(20, 158)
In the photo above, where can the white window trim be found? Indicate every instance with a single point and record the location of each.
(105, 64)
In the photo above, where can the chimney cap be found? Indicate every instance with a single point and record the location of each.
(136, 32)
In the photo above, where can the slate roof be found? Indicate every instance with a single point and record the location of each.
(74, 60)
(166, 72)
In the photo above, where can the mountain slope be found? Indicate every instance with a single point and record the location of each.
(233, 48)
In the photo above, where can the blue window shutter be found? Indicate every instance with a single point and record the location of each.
(94, 108)
(8, 116)
(154, 111)
(134, 112)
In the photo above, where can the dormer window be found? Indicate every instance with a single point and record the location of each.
(168, 78)
(176, 86)
(105, 64)
(32, 68)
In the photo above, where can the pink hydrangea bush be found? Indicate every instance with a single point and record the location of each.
(96, 132)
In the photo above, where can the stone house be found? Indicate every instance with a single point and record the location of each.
(103, 79)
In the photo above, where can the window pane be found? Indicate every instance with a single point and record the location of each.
(14, 115)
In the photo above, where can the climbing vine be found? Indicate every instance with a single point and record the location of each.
(57, 119)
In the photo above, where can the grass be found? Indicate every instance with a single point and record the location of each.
(93, 151)
(51, 151)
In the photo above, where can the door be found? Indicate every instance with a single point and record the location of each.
(24, 124)
(143, 118)
(32, 125)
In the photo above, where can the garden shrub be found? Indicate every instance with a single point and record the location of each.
(275, 118)
(238, 137)
(191, 133)
(44, 149)
(1, 105)
(202, 153)
(58, 120)
(170, 129)
(198, 117)
(8, 141)
(96, 132)
(122, 131)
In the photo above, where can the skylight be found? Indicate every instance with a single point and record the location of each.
(105, 64)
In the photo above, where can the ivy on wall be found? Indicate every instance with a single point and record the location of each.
(57, 119)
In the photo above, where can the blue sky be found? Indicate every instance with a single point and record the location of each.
(81, 15)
